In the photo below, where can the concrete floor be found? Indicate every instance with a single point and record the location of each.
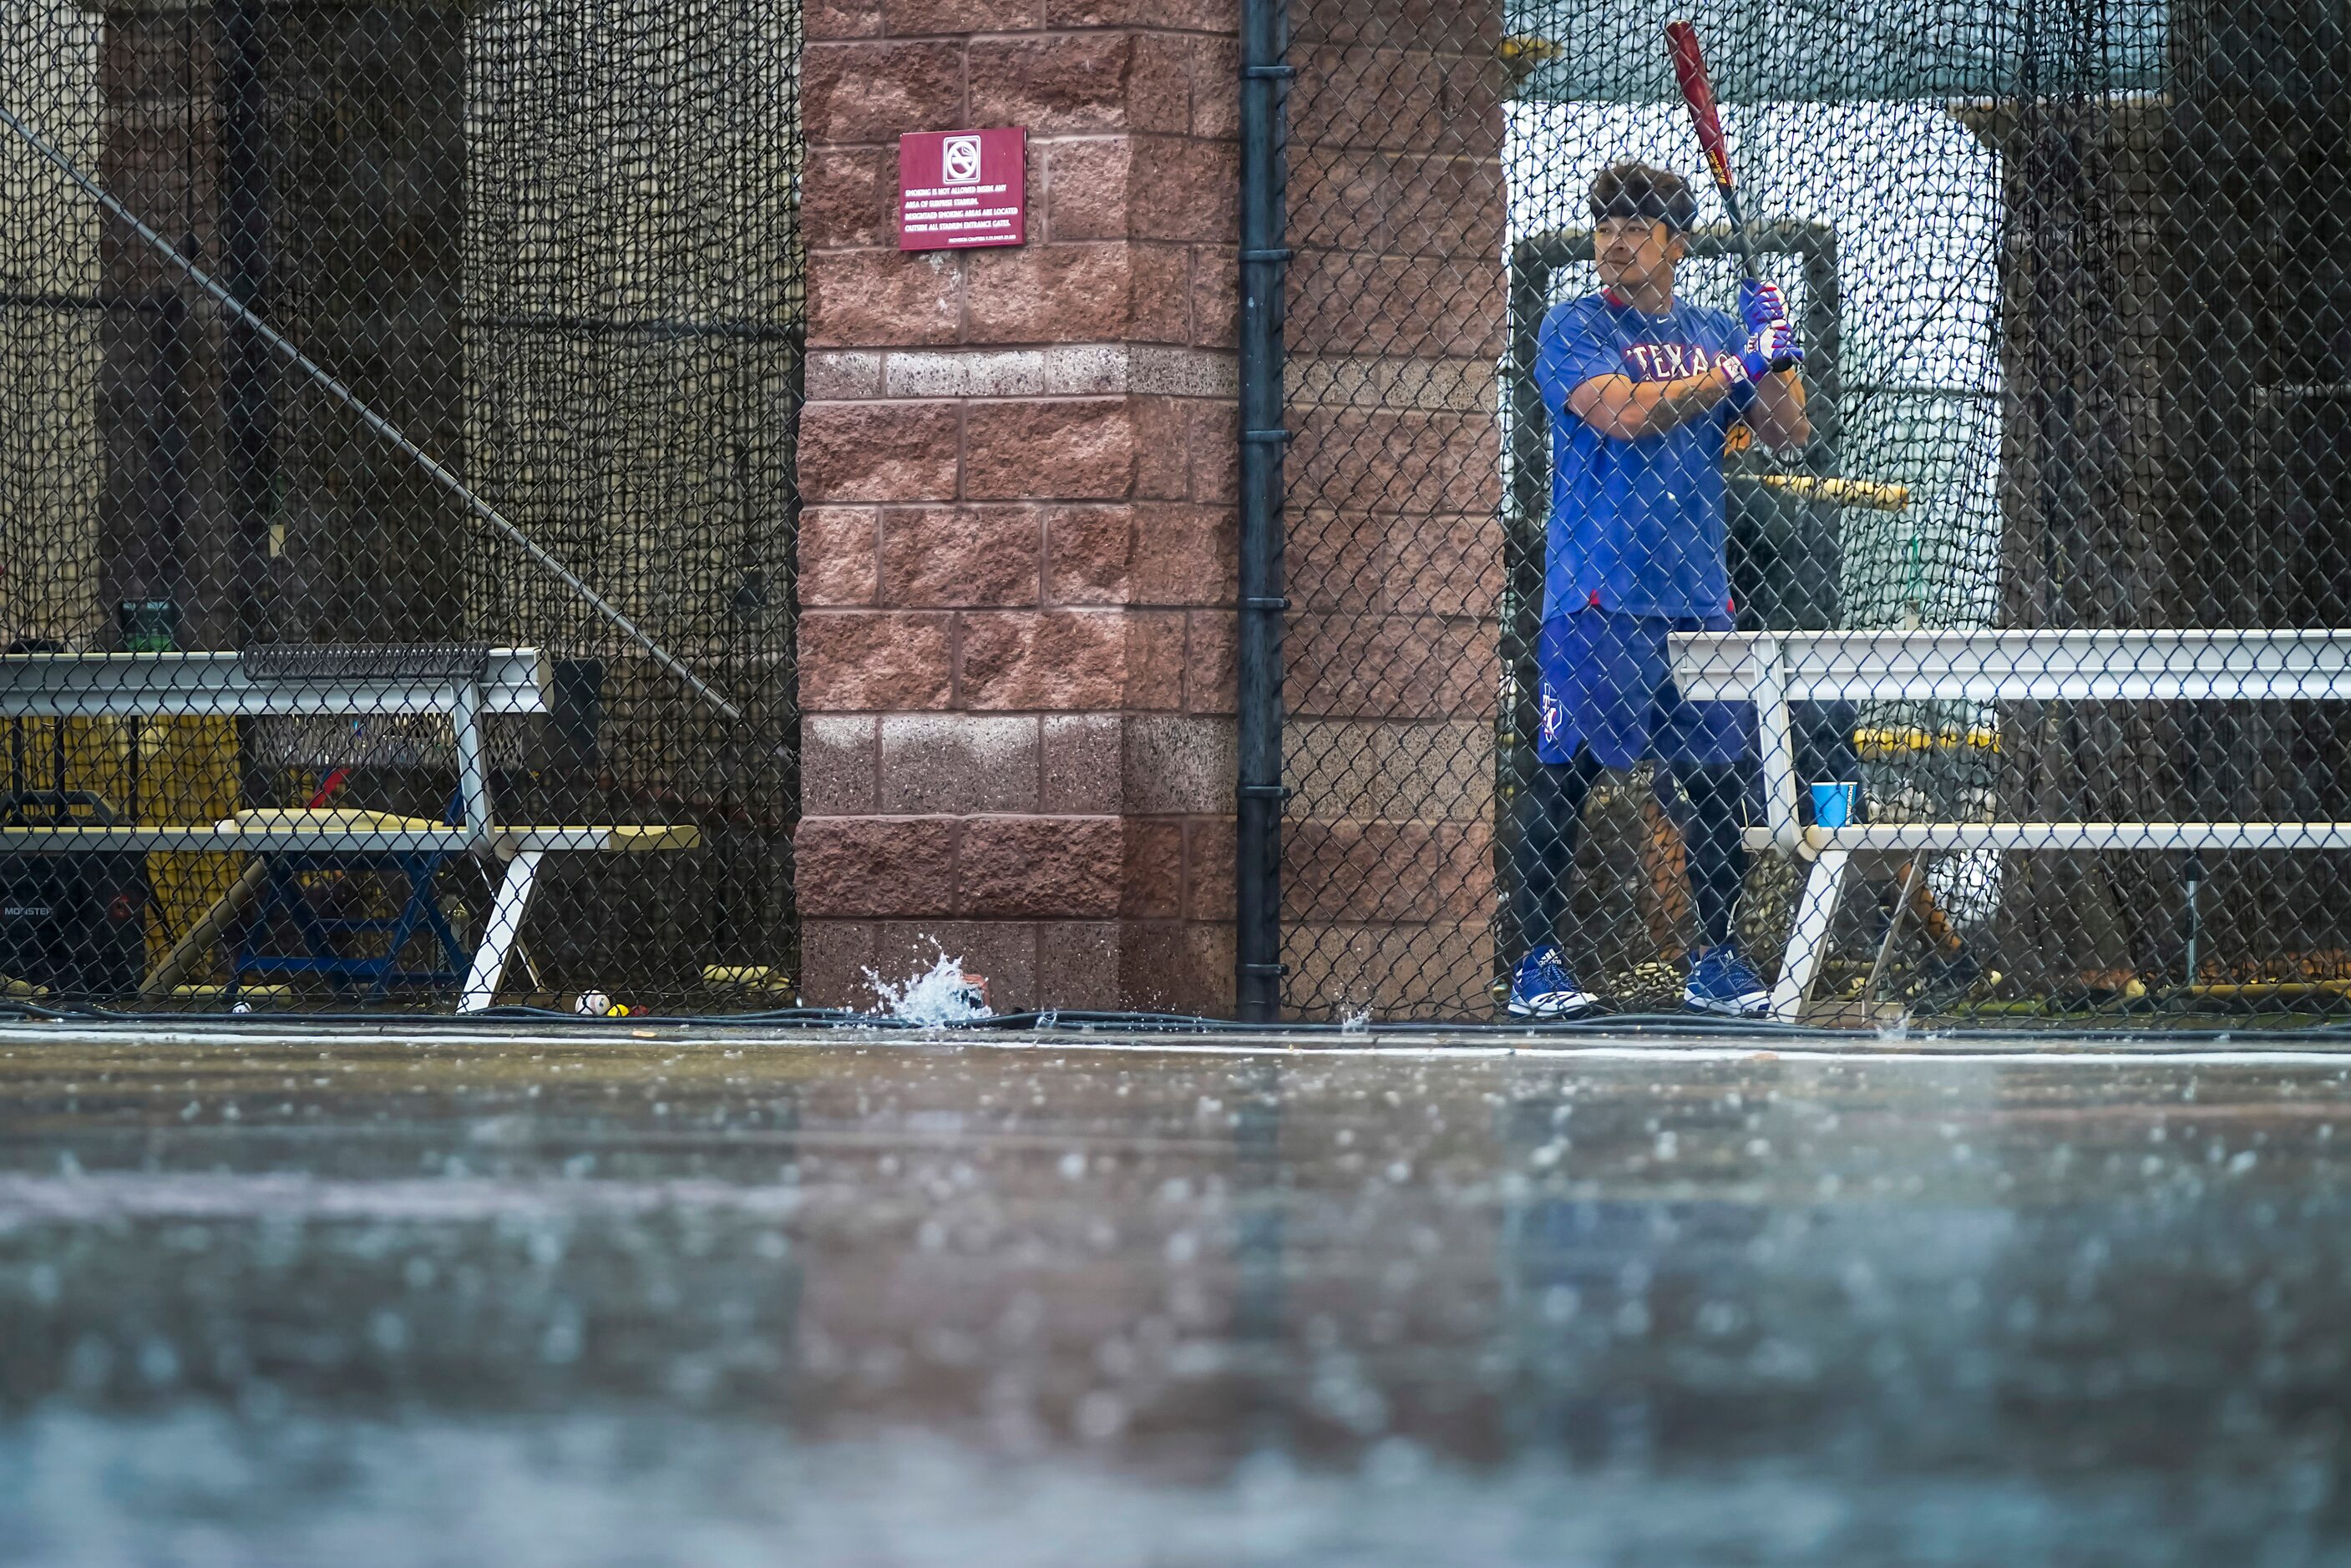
(622, 1295)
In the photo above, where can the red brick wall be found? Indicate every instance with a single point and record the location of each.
(1395, 322)
(1016, 558)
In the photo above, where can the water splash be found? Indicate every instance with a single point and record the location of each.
(940, 995)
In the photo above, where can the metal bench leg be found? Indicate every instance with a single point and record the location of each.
(499, 932)
(417, 870)
(1808, 937)
(435, 921)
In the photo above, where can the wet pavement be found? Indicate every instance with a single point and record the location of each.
(624, 1298)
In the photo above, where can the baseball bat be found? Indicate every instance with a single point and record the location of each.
(1875, 494)
(1698, 92)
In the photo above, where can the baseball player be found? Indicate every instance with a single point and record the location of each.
(1643, 391)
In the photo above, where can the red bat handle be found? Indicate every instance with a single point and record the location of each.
(1689, 69)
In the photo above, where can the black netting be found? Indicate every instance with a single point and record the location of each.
(360, 346)
(2057, 557)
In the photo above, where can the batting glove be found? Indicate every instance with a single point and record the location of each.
(1761, 304)
(1768, 348)
(1732, 368)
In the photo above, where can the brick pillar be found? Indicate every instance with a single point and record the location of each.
(1397, 310)
(1017, 559)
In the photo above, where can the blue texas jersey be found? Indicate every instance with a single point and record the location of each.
(1636, 526)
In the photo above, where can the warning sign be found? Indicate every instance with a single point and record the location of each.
(963, 188)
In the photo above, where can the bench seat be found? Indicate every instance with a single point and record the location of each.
(316, 832)
(1912, 837)
(461, 684)
(297, 832)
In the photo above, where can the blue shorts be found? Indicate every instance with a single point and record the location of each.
(1606, 685)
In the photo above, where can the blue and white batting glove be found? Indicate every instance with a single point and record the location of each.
(1768, 348)
(1761, 304)
(1733, 369)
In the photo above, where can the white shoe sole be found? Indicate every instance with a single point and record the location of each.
(1754, 1005)
(1557, 1004)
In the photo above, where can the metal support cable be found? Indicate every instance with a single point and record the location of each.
(382, 427)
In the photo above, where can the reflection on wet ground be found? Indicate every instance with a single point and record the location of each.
(636, 1301)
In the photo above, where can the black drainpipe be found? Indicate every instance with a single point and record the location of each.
(1265, 90)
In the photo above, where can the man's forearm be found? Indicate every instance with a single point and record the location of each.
(1778, 417)
(1627, 410)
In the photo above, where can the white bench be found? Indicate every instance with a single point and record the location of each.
(462, 686)
(283, 683)
(1773, 670)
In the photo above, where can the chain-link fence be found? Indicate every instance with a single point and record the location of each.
(2047, 523)
(397, 406)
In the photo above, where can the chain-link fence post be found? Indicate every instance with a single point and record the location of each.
(1257, 882)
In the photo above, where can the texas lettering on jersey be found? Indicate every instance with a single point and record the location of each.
(1669, 361)
(1673, 362)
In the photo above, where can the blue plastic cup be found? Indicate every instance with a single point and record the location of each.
(1834, 803)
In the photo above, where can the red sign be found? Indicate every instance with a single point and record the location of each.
(963, 188)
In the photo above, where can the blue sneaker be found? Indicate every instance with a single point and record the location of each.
(1543, 989)
(1719, 982)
